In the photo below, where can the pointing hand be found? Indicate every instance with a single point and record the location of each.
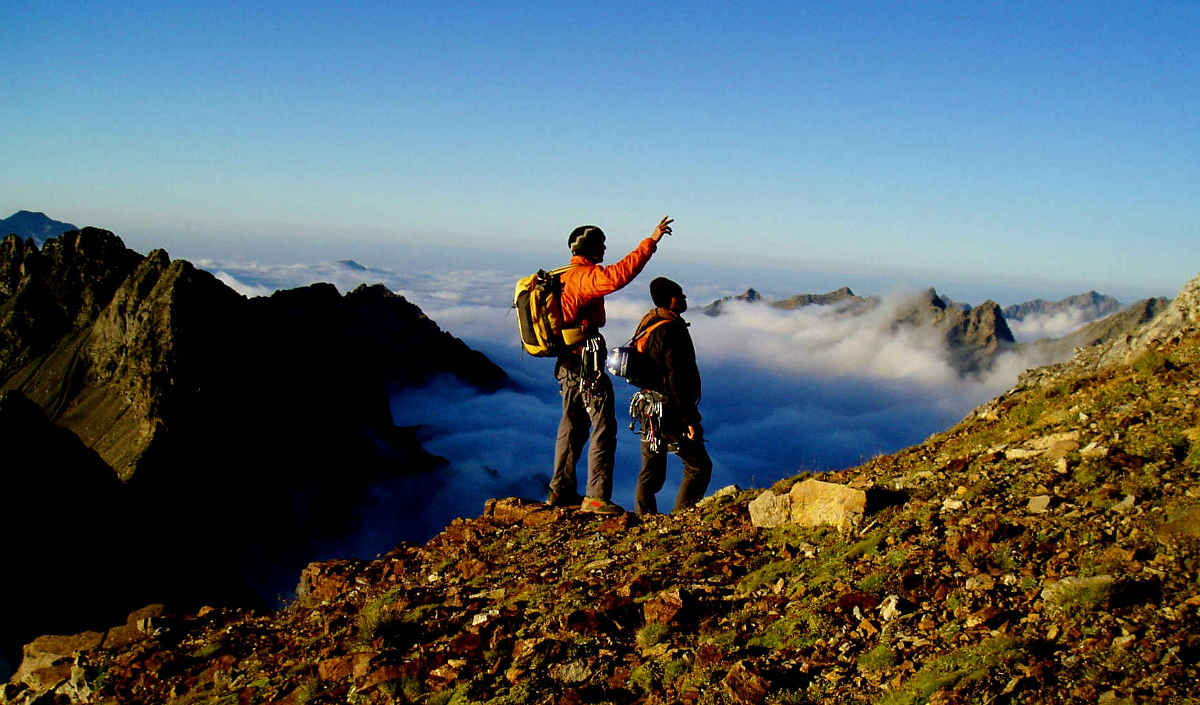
(663, 228)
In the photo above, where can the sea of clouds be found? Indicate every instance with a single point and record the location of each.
(784, 392)
(1049, 325)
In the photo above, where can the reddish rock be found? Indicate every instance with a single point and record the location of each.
(323, 581)
(618, 523)
(120, 637)
(665, 608)
(472, 568)
(385, 674)
(47, 659)
(510, 510)
(342, 667)
(636, 587)
(864, 601)
(543, 517)
(466, 642)
(744, 685)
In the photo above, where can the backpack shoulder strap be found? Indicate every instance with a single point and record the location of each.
(641, 339)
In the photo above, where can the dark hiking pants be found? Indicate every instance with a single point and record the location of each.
(573, 431)
(697, 470)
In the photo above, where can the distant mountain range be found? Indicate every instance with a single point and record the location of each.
(182, 442)
(974, 336)
(1089, 305)
(29, 224)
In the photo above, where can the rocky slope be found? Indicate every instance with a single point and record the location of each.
(1044, 550)
(1104, 331)
(35, 226)
(248, 433)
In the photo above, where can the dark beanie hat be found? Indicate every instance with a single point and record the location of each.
(584, 238)
(662, 289)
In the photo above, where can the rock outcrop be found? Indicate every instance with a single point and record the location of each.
(973, 336)
(1180, 318)
(810, 503)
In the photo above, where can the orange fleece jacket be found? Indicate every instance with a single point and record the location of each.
(585, 286)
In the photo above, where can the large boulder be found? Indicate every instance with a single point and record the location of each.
(810, 503)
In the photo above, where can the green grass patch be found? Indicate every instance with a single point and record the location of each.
(1151, 363)
(650, 635)
(674, 670)
(896, 557)
(877, 659)
(875, 582)
(954, 670)
(867, 547)
(767, 575)
(646, 678)
(803, 629)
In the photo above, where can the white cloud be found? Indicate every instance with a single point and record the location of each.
(1051, 325)
(784, 391)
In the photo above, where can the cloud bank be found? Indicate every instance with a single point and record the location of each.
(784, 391)
(1049, 325)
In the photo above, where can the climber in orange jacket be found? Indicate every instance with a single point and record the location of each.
(586, 390)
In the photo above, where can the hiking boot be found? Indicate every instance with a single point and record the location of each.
(599, 506)
(564, 499)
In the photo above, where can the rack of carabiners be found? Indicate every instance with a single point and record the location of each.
(646, 410)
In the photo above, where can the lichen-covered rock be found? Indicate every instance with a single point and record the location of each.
(818, 503)
(810, 503)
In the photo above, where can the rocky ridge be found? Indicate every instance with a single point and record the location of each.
(223, 418)
(1044, 550)
(1090, 306)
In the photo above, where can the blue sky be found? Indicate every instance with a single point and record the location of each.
(1048, 145)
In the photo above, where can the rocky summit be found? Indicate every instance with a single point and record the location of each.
(1044, 550)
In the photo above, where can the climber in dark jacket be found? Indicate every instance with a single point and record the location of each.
(677, 378)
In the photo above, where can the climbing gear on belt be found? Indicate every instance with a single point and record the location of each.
(591, 369)
(646, 410)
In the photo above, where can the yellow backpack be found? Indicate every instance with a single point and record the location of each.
(538, 300)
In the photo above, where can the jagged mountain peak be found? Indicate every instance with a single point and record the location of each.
(244, 432)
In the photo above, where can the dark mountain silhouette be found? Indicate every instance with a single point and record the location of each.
(28, 224)
(247, 432)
